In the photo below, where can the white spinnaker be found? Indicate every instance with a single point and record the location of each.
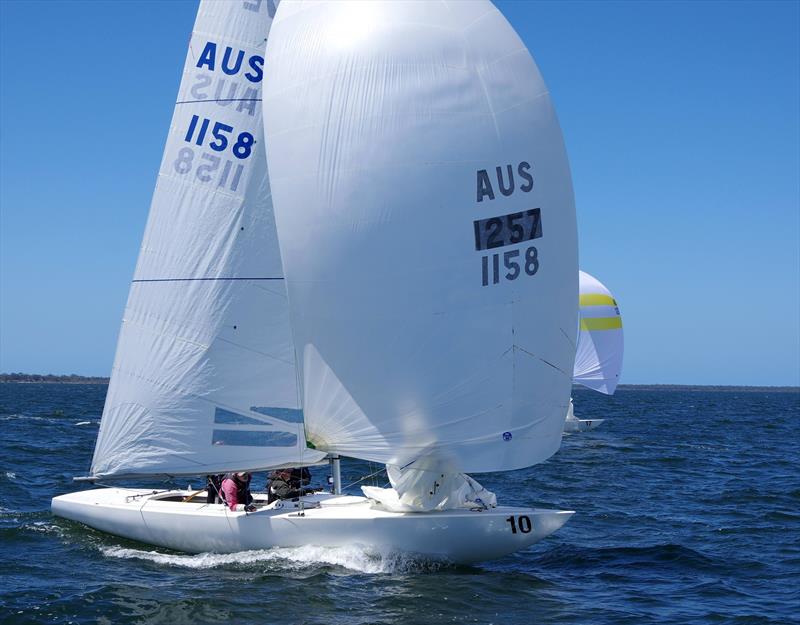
(204, 377)
(598, 361)
(381, 117)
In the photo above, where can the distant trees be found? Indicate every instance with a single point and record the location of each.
(72, 378)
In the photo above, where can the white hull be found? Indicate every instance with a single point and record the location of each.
(581, 425)
(459, 536)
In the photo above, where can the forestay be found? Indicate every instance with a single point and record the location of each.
(204, 378)
(427, 229)
(598, 362)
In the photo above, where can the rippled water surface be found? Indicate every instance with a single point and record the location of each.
(688, 511)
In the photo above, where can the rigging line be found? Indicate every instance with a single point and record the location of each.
(366, 477)
(199, 279)
(566, 336)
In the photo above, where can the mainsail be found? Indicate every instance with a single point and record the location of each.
(427, 229)
(204, 378)
(598, 362)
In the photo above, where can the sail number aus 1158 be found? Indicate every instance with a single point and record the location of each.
(522, 523)
(213, 167)
(223, 135)
(506, 230)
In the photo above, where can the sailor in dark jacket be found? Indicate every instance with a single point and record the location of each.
(289, 483)
(214, 488)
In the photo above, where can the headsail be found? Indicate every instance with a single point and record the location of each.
(204, 378)
(598, 362)
(427, 229)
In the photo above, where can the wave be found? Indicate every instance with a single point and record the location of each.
(56, 416)
(23, 417)
(19, 526)
(43, 527)
(353, 558)
(647, 557)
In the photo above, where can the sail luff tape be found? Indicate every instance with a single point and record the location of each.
(597, 299)
(601, 323)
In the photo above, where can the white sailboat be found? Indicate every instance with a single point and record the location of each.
(574, 425)
(420, 310)
(598, 361)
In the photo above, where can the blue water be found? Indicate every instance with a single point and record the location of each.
(688, 511)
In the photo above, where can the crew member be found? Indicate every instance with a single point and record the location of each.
(214, 488)
(236, 492)
(288, 484)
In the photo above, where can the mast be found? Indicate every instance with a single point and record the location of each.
(336, 473)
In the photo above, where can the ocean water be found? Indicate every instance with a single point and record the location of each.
(688, 511)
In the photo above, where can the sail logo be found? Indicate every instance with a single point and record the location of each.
(506, 184)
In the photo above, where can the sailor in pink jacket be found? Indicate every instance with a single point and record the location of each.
(236, 491)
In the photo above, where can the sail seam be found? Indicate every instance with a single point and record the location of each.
(198, 279)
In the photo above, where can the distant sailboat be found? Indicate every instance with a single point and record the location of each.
(598, 361)
(421, 313)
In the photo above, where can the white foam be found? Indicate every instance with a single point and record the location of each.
(83, 423)
(44, 527)
(353, 558)
(11, 475)
(20, 417)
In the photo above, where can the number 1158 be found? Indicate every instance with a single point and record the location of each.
(510, 266)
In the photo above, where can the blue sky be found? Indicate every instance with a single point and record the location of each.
(681, 120)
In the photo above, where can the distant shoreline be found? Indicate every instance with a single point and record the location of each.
(704, 387)
(36, 378)
(32, 378)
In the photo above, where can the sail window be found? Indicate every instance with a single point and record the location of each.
(253, 438)
(232, 418)
(290, 415)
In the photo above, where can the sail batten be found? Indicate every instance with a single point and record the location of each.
(205, 342)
